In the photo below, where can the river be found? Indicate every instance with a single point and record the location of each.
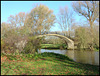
(87, 57)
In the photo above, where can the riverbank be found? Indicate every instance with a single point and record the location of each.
(44, 64)
(53, 46)
(63, 46)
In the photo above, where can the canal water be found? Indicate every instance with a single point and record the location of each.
(87, 57)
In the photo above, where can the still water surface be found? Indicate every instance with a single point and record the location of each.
(87, 57)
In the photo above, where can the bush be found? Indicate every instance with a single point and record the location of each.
(2, 44)
(6, 48)
(32, 45)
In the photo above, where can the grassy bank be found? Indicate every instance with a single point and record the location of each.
(96, 49)
(53, 46)
(86, 49)
(44, 64)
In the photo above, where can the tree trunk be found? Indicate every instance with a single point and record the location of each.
(69, 33)
(91, 30)
(40, 32)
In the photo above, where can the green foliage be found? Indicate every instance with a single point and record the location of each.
(17, 52)
(84, 40)
(53, 46)
(32, 45)
(12, 57)
(29, 55)
(54, 55)
(82, 36)
(29, 47)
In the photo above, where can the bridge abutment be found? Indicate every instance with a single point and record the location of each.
(71, 45)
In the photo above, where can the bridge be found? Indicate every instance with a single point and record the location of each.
(68, 41)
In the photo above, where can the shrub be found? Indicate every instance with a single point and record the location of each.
(32, 45)
(6, 48)
(2, 44)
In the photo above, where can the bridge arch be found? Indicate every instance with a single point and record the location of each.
(69, 42)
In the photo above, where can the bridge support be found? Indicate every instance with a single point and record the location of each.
(71, 45)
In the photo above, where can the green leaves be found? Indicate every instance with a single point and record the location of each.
(54, 46)
(32, 45)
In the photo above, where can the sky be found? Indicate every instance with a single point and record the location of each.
(14, 7)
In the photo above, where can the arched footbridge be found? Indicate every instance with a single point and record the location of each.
(68, 41)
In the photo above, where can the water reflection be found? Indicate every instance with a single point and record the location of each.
(53, 50)
(70, 54)
(96, 58)
(84, 57)
(87, 57)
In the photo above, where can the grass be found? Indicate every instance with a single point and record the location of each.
(87, 49)
(53, 46)
(96, 49)
(44, 64)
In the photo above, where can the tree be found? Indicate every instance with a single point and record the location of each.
(15, 33)
(40, 19)
(32, 45)
(4, 28)
(96, 35)
(90, 10)
(82, 36)
(65, 19)
(17, 20)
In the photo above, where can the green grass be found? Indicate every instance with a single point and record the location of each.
(53, 46)
(45, 64)
(96, 49)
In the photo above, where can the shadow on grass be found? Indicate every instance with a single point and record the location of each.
(64, 59)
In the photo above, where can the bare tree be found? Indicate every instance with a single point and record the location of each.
(90, 10)
(4, 28)
(65, 19)
(15, 33)
(17, 20)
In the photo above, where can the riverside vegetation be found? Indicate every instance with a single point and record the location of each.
(53, 46)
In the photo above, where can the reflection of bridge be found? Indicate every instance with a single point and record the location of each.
(69, 42)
